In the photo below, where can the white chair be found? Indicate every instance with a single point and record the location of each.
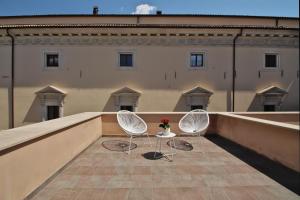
(194, 122)
(132, 124)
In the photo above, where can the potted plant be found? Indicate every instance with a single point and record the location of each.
(165, 125)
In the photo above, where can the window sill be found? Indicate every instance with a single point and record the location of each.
(197, 68)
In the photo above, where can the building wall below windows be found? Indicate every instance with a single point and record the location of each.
(5, 78)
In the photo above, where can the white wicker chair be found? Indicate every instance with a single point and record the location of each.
(132, 125)
(194, 122)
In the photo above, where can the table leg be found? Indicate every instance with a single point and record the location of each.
(174, 148)
(156, 147)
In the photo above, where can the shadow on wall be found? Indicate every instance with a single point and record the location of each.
(255, 104)
(110, 105)
(34, 112)
(180, 105)
(291, 101)
(281, 174)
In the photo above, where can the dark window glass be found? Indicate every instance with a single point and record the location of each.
(194, 107)
(196, 60)
(126, 60)
(52, 60)
(52, 112)
(271, 60)
(269, 108)
(129, 108)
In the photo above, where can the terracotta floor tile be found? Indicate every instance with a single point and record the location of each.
(165, 194)
(140, 194)
(90, 194)
(207, 172)
(116, 194)
(65, 194)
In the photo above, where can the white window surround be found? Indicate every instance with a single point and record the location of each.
(272, 96)
(133, 53)
(126, 96)
(197, 96)
(277, 61)
(44, 59)
(204, 67)
(51, 96)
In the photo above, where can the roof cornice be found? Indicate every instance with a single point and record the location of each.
(151, 15)
(178, 26)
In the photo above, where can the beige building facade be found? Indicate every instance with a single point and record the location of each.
(54, 66)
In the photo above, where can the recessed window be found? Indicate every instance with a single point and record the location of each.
(269, 108)
(271, 60)
(194, 107)
(52, 60)
(197, 60)
(52, 112)
(126, 60)
(126, 107)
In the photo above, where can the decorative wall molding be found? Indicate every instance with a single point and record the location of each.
(292, 42)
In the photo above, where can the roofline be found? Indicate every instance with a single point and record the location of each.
(177, 26)
(149, 15)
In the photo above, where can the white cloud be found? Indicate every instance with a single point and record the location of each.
(144, 9)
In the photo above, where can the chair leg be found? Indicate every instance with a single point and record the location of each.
(149, 140)
(130, 145)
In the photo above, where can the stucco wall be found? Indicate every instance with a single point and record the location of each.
(252, 76)
(89, 71)
(275, 140)
(5, 62)
(25, 165)
(100, 77)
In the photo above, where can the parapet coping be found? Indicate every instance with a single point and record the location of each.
(12, 137)
(263, 121)
(16, 136)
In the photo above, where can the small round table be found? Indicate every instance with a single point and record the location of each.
(160, 136)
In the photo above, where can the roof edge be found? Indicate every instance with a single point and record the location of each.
(150, 15)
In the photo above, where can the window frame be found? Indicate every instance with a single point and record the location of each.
(126, 67)
(47, 111)
(133, 109)
(264, 106)
(277, 61)
(197, 108)
(204, 60)
(44, 57)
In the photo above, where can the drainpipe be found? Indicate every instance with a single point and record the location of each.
(12, 83)
(234, 68)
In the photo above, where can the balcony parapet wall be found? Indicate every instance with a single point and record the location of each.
(30, 155)
(276, 140)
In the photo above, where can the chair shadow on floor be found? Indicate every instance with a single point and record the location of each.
(281, 174)
(118, 145)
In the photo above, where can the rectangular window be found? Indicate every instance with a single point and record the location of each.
(52, 60)
(126, 107)
(271, 61)
(194, 107)
(196, 60)
(269, 108)
(126, 60)
(52, 112)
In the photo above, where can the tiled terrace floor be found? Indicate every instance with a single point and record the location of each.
(206, 172)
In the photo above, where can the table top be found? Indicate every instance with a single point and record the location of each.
(161, 135)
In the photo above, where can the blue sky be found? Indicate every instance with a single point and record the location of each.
(288, 8)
